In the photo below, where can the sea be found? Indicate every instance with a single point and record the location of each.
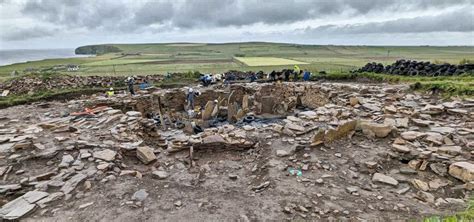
(8, 57)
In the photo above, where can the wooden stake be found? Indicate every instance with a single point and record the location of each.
(163, 125)
(191, 151)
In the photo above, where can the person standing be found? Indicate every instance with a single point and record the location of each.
(110, 93)
(306, 75)
(287, 75)
(253, 77)
(190, 99)
(296, 72)
(272, 76)
(130, 82)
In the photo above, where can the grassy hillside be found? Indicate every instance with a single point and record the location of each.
(126, 59)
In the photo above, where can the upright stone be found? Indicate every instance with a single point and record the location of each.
(245, 102)
(206, 114)
(232, 112)
(267, 104)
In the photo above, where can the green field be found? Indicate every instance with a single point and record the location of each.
(140, 59)
(268, 61)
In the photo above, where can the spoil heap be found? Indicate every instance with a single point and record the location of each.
(31, 84)
(417, 68)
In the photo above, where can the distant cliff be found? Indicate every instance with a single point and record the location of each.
(96, 49)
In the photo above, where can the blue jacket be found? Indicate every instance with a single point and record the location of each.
(306, 76)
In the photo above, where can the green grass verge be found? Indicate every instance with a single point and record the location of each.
(464, 216)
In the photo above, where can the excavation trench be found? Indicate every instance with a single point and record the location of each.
(233, 104)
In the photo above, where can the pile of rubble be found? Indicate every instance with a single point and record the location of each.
(417, 68)
(29, 84)
(357, 152)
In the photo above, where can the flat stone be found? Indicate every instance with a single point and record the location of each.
(82, 206)
(433, 109)
(308, 114)
(439, 168)
(390, 109)
(442, 130)
(213, 139)
(295, 127)
(145, 154)
(16, 209)
(420, 122)
(352, 189)
(420, 185)
(106, 155)
(248, 128)
(72, 183)
(6, 147)
(9, 187)
(451, 150)
(353, 101)
(55, 183)
(160, 174)
(454, 201)
(399, 141)
(66, 160)
(403, 190)
(34, 196)
(401, 122)
(411, 135)
(52, 197)
(435, 138)
(462, 170)
(381, 178)
(371, 107)
(401, 148)
(407, 170)
(293, 119)
(437, 183)
(375, 129)
(425, 196)
(103, 166)
(458, 111)
(133, 114)
(282, 153)
(140, 195)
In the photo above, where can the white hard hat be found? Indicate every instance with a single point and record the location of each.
(111, 89)
(190, 89)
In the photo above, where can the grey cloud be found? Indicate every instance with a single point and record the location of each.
(456, 21)
(123, 15)
(26, 34)
(78, 14)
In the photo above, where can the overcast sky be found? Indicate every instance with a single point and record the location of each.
(28, 24)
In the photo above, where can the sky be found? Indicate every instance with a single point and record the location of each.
(40, 24)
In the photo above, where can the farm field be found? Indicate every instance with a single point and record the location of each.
(143, 59)
(267, 61)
